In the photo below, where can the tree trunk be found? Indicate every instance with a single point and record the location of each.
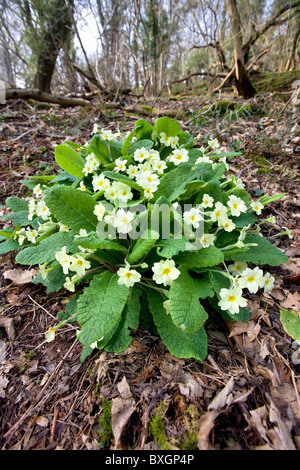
(26, 94)
(291, 62)
(55, 35)
(243, 83)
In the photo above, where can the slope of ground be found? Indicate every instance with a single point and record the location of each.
(245, 395)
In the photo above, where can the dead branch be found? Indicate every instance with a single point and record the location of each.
(31, 93)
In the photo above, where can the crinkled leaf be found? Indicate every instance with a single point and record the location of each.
(130, 321)
(180, 343)
(205, 257)
(173, 183)
(265, 253)
(172, 246)
(9, 245)
(72, 207)
(16, 204)
(99, 308)
(186, 310)
(143, 246)
(93, 242)
(45, 251)
(122, 179)
(54, 281)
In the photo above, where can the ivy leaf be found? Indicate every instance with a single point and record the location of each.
(265, 253)
(69, 160)
(206, 257)
(180, 343)
(143, 246)
(186, 311)
(99, 308)
(72, 207)
(45, 251)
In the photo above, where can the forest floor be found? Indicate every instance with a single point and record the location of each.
(245, 396)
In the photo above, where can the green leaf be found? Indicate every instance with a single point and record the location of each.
(206, 257)
(127, 142)
(212, 188)
(246, 218)
(113, 175)
(9, 245)
(54, 281)
(45, 251)
(264, 253)
(180, 343)
(147, 143)
(173, 183)
(16, 204)
(69, 160)
(130, 321)
(241, 193)
(291, 323)
(172, 246)
(186, 311)
(143, 129)
(19, 219)
(99, 308)
(143, 246)
(72, 207)
(100, 149)
(93, 242)
(167, 125)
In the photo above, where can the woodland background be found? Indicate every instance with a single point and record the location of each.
(145, 47)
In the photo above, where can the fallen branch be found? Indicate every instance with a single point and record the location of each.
(30, 93)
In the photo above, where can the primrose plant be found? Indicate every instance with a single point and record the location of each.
(144, 229)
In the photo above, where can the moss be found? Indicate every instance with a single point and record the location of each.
(105, 429)
(157, 427)
(190, 422)
(277, 81)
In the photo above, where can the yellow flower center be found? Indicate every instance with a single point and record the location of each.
(166, 271)
(231, 298)
(178, 157)
(218, 213)
(251, 279)
(128, 275)
(235, 206)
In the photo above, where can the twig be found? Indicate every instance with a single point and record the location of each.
(39, 399)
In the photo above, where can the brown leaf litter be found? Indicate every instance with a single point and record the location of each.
(245, 396)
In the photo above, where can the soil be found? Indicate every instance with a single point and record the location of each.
(245, 396)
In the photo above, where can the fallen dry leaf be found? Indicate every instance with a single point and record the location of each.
(18, 276)
(121, 410)
(292, 302)
(41, 421)
(8, 324)
(206, 423)
(224, 397)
